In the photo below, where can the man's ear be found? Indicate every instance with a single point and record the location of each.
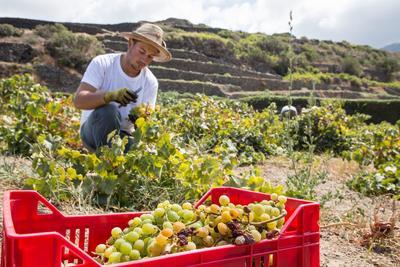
(131, 42)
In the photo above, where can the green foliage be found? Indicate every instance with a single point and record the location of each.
(388, 66)
(29, 110)
(69, 49)
(213, 125)
(48, 30)
(380, 146)
(9, 30)
(351, 66)
(180, 151)
(331, 129)
(303, 184)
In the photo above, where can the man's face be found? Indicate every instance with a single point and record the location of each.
(139, 55)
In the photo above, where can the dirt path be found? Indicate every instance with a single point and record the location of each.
(339, 244)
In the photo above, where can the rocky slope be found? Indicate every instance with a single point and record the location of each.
(200, 64)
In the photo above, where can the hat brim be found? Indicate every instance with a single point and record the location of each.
(163, 56)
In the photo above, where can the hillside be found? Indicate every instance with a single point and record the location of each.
(206, 60)
(395, 47)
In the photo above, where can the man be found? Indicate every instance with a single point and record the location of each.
(115, 83)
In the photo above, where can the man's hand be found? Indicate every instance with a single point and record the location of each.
(122, 96)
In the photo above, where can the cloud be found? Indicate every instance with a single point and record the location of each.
(372, 22)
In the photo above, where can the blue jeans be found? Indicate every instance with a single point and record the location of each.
(101, 122)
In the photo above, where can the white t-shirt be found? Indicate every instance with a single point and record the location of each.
(105, 74)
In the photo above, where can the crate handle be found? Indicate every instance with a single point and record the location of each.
(77, 252)
(42, 202)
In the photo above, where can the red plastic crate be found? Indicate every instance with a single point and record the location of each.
(35, 238)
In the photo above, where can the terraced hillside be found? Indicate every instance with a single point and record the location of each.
(205, 60)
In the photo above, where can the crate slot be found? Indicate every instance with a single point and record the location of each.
(86, 240)
(68, 237)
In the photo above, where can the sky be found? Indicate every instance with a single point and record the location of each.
(366, 22)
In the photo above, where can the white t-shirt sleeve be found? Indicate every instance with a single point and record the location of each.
(94, 74)
(154, 88)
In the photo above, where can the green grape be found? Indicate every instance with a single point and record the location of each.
(196, 225)
(274, 196)
(282, 199)
(256, 235)
(252, 216)
(187, 206)
(258, 209)
(154, 249)
(132, 236)
(100, 248)
(109, 250)
(116, 232)
(275, 212)
(172, 216)
(202, 232)
(221, 243)
(264, 234)
(135, 222)
(268, 210)
(222, 228)
(138, 245)
(147, 221)
(115, 257)
(176, 207)
(188, 215)
(118, 242)
(271, 225)
(125, 258)
(281, 221)
(178, 226)
(138, 230)
(280, 205)
(235, 213)
(208, 241)
(226, 216)
(125, 248)
(224, 200)
(201, 207)
(167, 224)
(146, 216)
(214, 208)
(264, 217)
(148, 229)
(158, 212)
(190, 246)
(126, 230)
(134, 255)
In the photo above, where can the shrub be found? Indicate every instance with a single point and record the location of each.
(388, 66)
(9, 30)
(47, 30)
(70, 49)
(351, 66)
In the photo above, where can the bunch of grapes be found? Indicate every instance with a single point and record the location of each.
(172, 228)
(142, 111)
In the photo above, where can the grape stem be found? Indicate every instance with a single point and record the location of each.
(283, 214)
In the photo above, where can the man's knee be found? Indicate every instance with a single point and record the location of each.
(108, 110)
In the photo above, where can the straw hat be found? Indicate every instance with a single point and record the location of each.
(152, 35)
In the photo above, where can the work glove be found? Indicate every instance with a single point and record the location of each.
(122, 96)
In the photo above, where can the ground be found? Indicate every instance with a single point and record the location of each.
(345, 214)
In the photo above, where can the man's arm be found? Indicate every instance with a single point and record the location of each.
(88, 97)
